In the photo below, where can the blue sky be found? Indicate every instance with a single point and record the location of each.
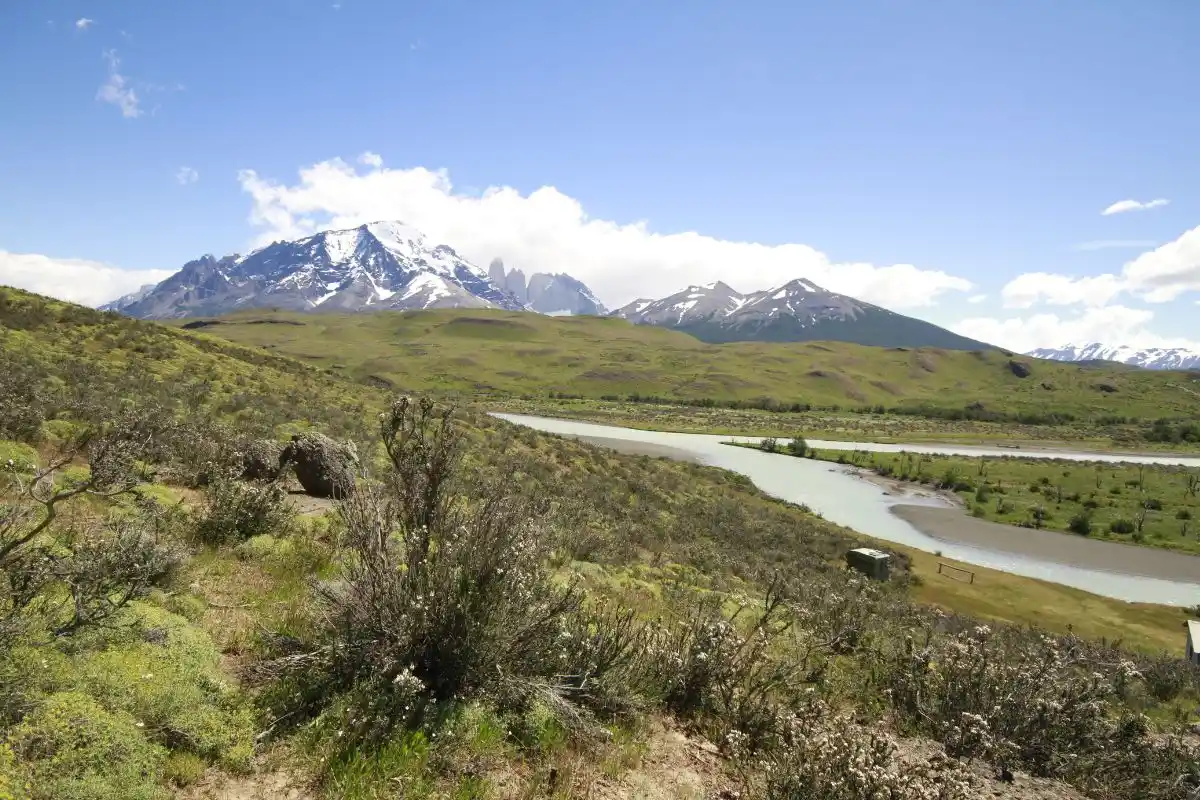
(947, 159)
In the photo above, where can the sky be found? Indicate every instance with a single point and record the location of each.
(1022, 172)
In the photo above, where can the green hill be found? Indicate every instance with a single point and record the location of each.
(513, 354)
(526, 619)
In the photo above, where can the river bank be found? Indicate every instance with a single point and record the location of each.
(952, 525)
(865, 507)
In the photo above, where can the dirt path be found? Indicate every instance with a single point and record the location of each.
(217, 785)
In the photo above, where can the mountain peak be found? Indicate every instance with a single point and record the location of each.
(378, 265)
(804, 285)
(799, 310)
(1145, 357)
(381, 265)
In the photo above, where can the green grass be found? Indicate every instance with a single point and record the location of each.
(843, 425)
(506, 354)
(1153, 505)
(111, 358)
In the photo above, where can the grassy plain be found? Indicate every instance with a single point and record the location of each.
(495, 354)
(845, 426)
(1153, 505)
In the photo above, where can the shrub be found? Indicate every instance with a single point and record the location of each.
(1152, 504)
(1080, 523)
(23, 399)
(768, 445)
(1020, 700)
(710, 670)
(446, 597)
(71, 748)
(798, 446)
(234, 511)
(1183, 514)
(1121, 525)
(823, 755)
(183, 769)
(62, 579)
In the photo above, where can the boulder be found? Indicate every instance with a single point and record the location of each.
(1020, 369)
(260, 460)
(325, 468)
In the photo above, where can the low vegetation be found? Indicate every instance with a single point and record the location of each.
(865, 425)
(488, 611)
(507, 355)
(1153, 505)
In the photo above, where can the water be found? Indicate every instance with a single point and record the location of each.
(858, 504)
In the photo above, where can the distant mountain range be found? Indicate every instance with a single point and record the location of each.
(1147, 358)
(392, 266)
(798, 311)
(374, 267)
(556, 294)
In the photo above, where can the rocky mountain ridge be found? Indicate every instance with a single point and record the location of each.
(799, 310)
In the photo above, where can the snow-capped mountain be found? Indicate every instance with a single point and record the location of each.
(795, 312)
(556, 294)
(693, 305)
(1147, 358)
(380, 265)
(129, 299)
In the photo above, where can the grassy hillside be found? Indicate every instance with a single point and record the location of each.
(873, 326)
(103, 357)
(508, 354)
(514, 615)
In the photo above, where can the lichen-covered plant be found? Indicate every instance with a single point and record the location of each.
(60, 574)
(1040, 704)
(823, 755)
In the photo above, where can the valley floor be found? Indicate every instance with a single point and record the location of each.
(846, 426)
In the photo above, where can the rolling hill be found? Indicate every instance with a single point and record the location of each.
(491, 352)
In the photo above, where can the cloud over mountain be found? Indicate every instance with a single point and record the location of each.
(549, 231)
(76, 280)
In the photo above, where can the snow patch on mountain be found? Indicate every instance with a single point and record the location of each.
(1146, 357)
(379, 265)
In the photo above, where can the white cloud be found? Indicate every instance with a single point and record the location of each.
(547, 231)
(73, 279)
(369, 159)
(187, 175)
(83, 23)
(1168, 271)
(1031, 288)
(1108, 324)
(1115, 244)
(116, 89)
(975, 299)
(1122, 206)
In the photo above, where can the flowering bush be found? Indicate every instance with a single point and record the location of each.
(1039, 703)
(822, 755)
(445, 597)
